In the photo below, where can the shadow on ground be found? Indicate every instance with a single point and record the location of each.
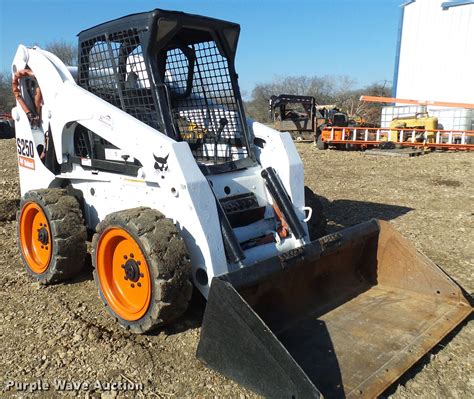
(345, 213)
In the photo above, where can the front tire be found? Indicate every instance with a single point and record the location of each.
(51, 235)
(141, 269)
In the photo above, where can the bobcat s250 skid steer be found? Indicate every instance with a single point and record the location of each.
(146, 146)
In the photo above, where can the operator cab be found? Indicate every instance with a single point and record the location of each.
(174, 72)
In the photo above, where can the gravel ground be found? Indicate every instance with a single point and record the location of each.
(63, 332)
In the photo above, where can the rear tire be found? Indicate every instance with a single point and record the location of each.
(320, 144)
(51, 235)
(317, 224)
(141, 268)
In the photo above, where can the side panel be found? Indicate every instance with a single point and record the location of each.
(180, 192)
(32, 172)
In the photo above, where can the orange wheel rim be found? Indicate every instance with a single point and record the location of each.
(123, 274)
(35, 237)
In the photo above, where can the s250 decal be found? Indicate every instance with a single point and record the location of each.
(25, 149)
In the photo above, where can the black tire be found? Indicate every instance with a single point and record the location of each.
(317, 224)
(168, 262)
(350, 147)
(5, 130)
(67, 234)
(387, 145)
(320, 144)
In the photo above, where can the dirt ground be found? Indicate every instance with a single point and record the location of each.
(63, 331)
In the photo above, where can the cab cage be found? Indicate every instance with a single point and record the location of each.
(174, 72)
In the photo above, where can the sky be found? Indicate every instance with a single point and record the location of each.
(356, 38)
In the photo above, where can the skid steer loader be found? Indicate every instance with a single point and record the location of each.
(146, 146)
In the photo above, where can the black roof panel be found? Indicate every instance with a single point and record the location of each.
(144, 20)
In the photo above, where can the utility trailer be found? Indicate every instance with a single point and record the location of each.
(148, 149)
(298, 115)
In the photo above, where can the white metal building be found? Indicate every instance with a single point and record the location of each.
(435, 60)
(435, 53)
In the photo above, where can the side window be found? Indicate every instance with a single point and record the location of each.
(93, 152)
(178, 75)
(204, 105)
(114, 67)
(136, 73)
(101, 67)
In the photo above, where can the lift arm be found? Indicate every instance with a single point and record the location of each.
(376, 99)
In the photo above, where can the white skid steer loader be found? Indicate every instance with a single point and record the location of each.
(146, 146)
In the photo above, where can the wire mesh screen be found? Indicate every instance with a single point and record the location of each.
(204, 105)
(114, 69)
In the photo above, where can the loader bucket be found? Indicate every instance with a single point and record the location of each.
(344, 316)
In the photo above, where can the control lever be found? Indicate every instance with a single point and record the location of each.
(223, 122)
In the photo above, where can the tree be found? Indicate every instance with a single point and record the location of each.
(65, 51)
(7, 101)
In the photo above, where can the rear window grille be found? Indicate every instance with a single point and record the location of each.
(206, 114)
(115, 70)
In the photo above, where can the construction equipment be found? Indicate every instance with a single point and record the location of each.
(335, 122)
(334, 131)
(368, 137)
(304, 119)
(7, 126)
(149, 150)
(298, 115)
(420, 122)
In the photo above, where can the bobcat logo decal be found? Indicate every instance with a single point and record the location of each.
(161, 164)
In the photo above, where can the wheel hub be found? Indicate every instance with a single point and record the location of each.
(132, 270)
(123, 274)
(43, 236)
